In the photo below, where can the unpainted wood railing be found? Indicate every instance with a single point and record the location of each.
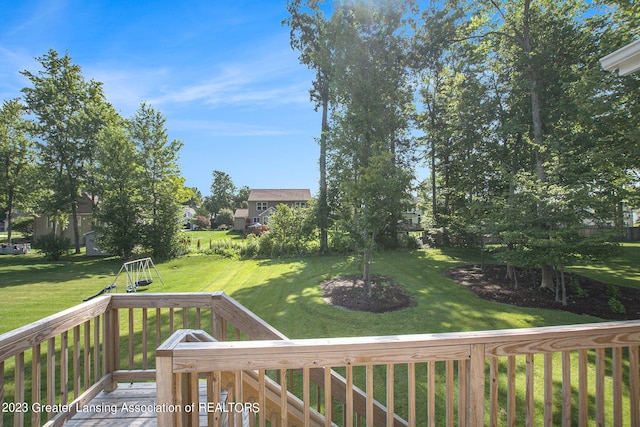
(51, 367)
(551, 376)
(55, 365)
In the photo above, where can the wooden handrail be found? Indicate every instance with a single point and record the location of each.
(21, 339)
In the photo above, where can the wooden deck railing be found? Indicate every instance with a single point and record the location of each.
(567, 375)
(571, 375)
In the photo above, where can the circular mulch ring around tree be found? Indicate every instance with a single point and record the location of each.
(350, 293)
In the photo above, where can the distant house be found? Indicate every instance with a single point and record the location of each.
(263, 203)
(43, 224)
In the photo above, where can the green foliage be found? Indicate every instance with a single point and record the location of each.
(161, 187)
(24, 225)
(53, 246)
(290, 231)
(117, 174)
(69, 112)
(224, 217)
(202, 222)
(17, 158)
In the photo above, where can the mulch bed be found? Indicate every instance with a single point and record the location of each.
(349, 292)
(584, 295)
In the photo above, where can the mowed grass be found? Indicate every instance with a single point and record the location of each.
(286, 293)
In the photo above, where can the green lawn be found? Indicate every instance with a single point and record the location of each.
(285, 293)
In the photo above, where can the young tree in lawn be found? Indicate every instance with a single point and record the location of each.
(161, 186)
(118, 173)
(69, 113)
(17, 159)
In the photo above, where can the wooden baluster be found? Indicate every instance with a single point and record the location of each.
(87, 355)
(463, 393)
(411, 372)
(566, 389)
(130, 339)
(617, 386)
(306, 397)
(145, 339)
(529, 397)
(328, 399)
(548, 389)
(431, 394)
(64, 368)
(36, 380)
(583, 393)
(158, 327)
(18, 394)
(449, 382)
(262, 398)
(511, 391)
(51, 374)
(284, 410)
(634, 384)
(348, 407)
(76, 362)
(493, 392)
(96, 349)
(390, 393)
(600, 374)
(185, 318)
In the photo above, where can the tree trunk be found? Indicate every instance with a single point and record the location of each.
(9, 220)
(76, 227)
(563, 285)
(547, 277)
(323, 208)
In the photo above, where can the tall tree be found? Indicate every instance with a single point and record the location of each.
(16, 160)
(370, 119)
(311, 35)
(118, 174)
(160, 184)
(68, 112)
(222, 192)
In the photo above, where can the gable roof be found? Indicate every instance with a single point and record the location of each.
(280, 195)
(626, 59)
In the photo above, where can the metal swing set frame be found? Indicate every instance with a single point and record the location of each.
(138, 273)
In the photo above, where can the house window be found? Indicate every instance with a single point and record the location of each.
(256, 219)
(262, 206)
(300, 205)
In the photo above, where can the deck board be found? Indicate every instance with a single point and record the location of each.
(113, 408)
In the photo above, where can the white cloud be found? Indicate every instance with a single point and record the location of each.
(227, 128)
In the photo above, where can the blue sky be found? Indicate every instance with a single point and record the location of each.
(221, 71)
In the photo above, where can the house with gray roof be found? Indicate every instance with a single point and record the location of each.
(262, 203)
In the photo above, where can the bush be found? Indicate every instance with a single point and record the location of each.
(202, 222)
(23, 225)
(54, 247)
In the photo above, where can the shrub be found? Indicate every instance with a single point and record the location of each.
(54, 247)
(23, 225)
(202, 222)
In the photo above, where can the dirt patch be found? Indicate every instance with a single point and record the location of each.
(349, 292)
(584, 295)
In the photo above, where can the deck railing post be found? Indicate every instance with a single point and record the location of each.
(165, 390)
(476, 386)
(112, 338)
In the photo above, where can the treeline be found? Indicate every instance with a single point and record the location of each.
(62, 139)
(526, 138)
